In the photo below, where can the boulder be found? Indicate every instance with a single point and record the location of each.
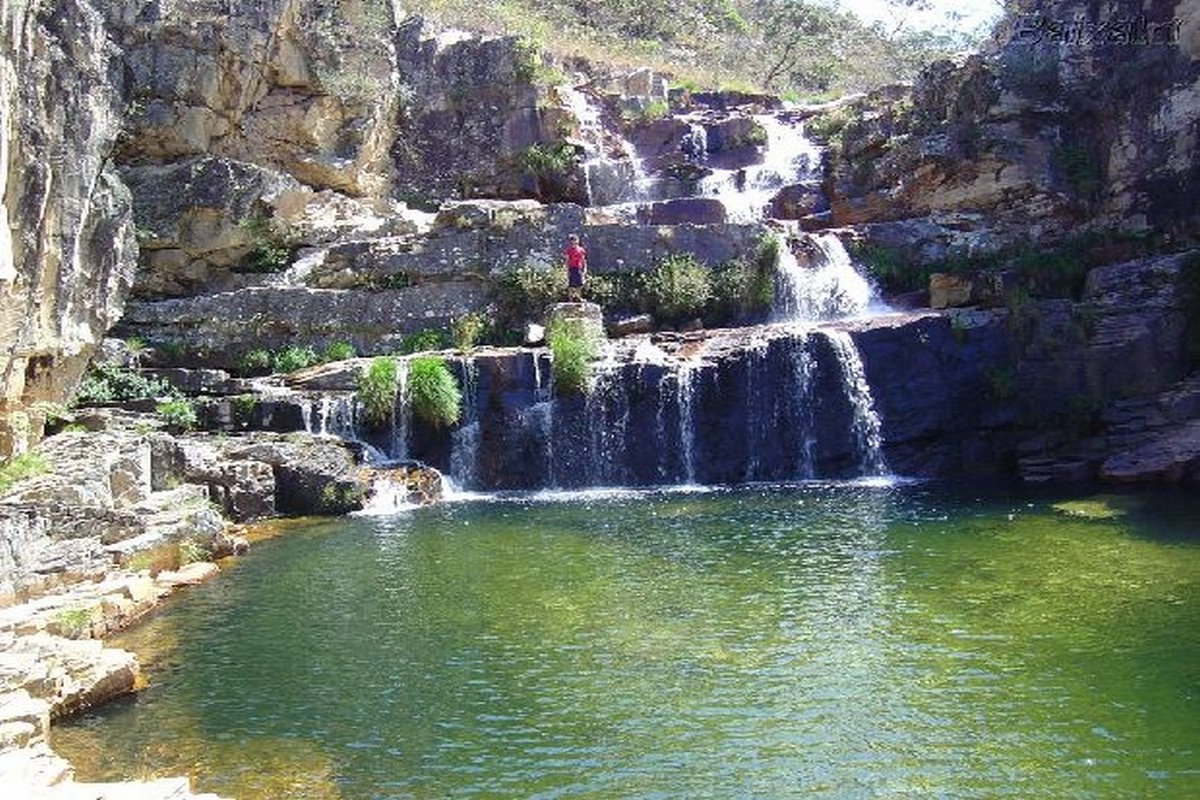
(1171, 455)
(685, 210)
(629, 326)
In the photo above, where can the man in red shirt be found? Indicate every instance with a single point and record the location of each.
(576, 257)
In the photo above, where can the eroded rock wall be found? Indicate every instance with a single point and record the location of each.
(1083, 117)
(67, 249)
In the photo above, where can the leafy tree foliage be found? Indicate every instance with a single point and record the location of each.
(791, 47)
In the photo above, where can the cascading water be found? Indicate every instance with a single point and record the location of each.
(337, 414)
(789, 157)
(685, 387)
(785, 402)
(607, 180)
(803, 370)
(464, 451)
(829, 288)
(331, 415)
(866, 426)
(401, 414)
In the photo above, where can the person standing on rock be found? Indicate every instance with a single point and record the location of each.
(575, 256)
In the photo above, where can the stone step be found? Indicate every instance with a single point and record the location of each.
(27, 771)
(24, 720)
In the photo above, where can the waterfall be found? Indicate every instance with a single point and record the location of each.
(866, 427)
(760, 419)
(387, 496)
(685, 388)
(337, 415)
(464, 447)
(789, 156)
(401, 414)
(607, 414)
(803, 369)
(607, 180)
(331, 415)
(829, 288)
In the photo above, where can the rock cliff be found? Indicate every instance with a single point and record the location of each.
(67, 250)
(1082, 116)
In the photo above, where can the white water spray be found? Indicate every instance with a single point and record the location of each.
(789, 157)
(829, 288)
(866, 427)
(607, 180)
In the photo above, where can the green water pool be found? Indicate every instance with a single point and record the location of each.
(825, 641)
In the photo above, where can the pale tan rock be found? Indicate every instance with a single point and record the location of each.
(949, 291)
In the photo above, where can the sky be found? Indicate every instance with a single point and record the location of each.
(974, 13)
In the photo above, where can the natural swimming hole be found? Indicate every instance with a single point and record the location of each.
(811, 640)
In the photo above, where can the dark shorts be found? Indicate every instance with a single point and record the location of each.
(574, 277)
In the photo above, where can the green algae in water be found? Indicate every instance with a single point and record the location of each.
(824, 641)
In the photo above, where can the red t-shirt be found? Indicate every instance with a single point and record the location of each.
(576, 256)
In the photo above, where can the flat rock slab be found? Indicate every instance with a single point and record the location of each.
(1171, 455)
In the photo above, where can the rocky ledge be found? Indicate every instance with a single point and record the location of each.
(122, 516)
(50, 668)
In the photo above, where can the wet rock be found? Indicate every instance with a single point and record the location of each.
(798, 201)
(628, 326)
(313, 475)
(1169, 456)
(402, 485)
(685, 210)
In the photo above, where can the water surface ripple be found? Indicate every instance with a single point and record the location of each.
(807, 641)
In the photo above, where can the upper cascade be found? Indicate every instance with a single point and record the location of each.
(787, 156)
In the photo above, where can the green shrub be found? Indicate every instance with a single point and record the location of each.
(72, 623)
(243, 408)
(651, 112)
(547, 160)
(828, 126)
(376, 391)
(192, 551)
(292, 358)
(18, 468)
(468, 329)
(254, 362)
(110, 383)
(433, 394)
(424, 340)
(746, 287)
(172, 350)
(338, 351)
(573, 348)
(678, 288)
(272, 245)
(179, 413)
(523, 293)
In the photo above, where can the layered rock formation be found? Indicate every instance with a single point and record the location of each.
(1083, 117)
(67, 251)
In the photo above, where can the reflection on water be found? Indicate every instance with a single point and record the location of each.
(820, 640)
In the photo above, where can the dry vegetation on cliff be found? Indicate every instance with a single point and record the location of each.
(789, 47)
